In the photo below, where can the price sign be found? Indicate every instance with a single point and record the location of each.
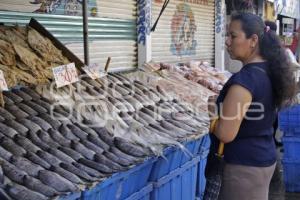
(65, 75)
(94, 71)
(3, 84)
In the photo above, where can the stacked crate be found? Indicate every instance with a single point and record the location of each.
(289, 122)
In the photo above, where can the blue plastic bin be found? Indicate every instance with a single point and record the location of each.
(179, 184)
(143, 194)
(201, 180)
(289, 119)
(73, 196)
(291, 174)
(291, 147)
(175, 158)
(121, 185)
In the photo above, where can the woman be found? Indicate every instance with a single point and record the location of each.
(247, 108)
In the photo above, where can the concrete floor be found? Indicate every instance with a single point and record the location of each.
(277, 190)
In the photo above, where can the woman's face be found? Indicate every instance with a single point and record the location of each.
(238, 46)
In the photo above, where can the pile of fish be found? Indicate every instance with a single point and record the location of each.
(55, 141)
(27, 57)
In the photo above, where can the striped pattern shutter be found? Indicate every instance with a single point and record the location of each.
(185, 31)
(112, 30)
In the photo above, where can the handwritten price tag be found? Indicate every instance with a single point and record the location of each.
(94, 71)
(3, 84)
(65, 75)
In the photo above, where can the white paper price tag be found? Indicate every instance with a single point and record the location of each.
(65, 75)
(3, 84)
(94, 71)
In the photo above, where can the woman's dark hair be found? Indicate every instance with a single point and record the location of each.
(271, 49)
(271, 24)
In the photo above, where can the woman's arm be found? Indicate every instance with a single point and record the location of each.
(232, 112)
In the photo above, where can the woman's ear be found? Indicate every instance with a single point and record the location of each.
(253, 40)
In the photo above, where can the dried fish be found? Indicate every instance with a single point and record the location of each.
(61, 155)
(89, 154)
(122, 78)
(42, 123)
(49, 158)
(8, 101)
(37, 160)
(22, 94)
(57, 137)
(12, 147)
(31, 93)
(151, 95)
(5, 154)
(92, 146)
(45, 137)
(27, 109)
(105, 136)
(122, 161)
(36, 107)
(123, 155)
(82, 171)
(135, 103)
(87, 172)
(41, 102)
(36, 185)
(57, 182)
(20, 192)
(129, 148)
(77, 131)
(113, 79)
(26, 165)
(173, 128)
(16, 111)
(37, 141)
(6, 130)
(50, 120)
(105, 161)
(118, 104)
(121, 90)
(5, 114)
(67, 175)
(26, 144)
(67, 133)
(70, 152)
(12, 172)
(97, 166)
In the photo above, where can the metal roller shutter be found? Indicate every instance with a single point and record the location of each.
(112, 29)
(184, 32)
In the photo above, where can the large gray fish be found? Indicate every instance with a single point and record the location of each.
(98, 142)
(86, 129)
(52, 121)
(15, 98)
(121, 154)
(16, 111)
(152, 114)
(20, 192)
(26, 165)
(36, 185)
(5, 154)
(22, 94)
(33, 127)
(151, 95)
(12, 172)
(122, 78)
(67, 175)
(104, 135)
(43, 103)
(45, 137)
(6, 115)
(26, 144)
(54, 161)
(42, 123)
(82, 171)
(61, 155)
(8, 101)
(122, 90)
(129, 148)
(92, 82)
(12, 147)
(122, 161)
(134, 102)
(57, 137)
(118, 104)
(183, 126)
(57, 182)
(17, 126)
(27, 109)
(147, 118)
(38, 142)
(98, 166)
(67, 133)
(70, 152)
(92, 146)
(37, 160)
(105, 161)
(30, 92)
(77, 131)
(8, 131)
(89, 154)
(36, 107)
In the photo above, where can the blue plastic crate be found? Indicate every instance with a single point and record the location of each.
(292, 132)
(73, 196)
(179, 184)
(291, 174)
(121, 185)
(289, 119)
(174, 158)
(201, 180)
(291, 147)
(143, 194)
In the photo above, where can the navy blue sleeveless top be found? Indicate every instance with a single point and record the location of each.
(254, 144)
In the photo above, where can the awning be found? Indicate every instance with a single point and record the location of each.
(289, 8)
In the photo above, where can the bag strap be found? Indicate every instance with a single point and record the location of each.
(212, 127)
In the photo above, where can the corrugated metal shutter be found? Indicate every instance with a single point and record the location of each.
(111, 33)
(170, 43)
